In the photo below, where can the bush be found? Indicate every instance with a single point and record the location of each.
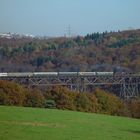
(11, 93)
(95, 106)
(50, 104)
(34, 98)
(82, 102)
(109, 103)
(62, 97)
(133, 108)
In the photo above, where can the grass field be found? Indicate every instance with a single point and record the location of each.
(18, 123)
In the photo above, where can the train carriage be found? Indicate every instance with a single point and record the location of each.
(68, 73)
(41, 74)
(3, 74)
(20, 74)
(104, 73)
(87, 73)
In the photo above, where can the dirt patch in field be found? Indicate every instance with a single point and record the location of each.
(36, 124)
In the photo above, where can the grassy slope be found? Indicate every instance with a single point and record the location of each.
(17, 123)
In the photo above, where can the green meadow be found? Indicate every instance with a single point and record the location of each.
(19, 123)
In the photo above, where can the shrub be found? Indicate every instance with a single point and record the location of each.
(34, 98)
(62, 97)
(109, 103)
(82, 102)
(94, 107)
(11, 93)
(50, 104)
(133, 108)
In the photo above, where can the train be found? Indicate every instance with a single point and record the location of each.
(44, 74)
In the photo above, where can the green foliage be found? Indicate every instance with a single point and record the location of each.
(122, 43)
(40, 60)
(29, 48)
(97, 37)
(5, 51)
(50, 104)
(80, 41)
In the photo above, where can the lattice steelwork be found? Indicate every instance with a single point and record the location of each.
(129, 85)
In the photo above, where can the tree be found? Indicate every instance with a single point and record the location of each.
(11, 93)
(34, 98)
(62, 97)
(82, 102)
(133, 108)
(109, 103)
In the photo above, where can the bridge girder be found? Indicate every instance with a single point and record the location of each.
(129, 84)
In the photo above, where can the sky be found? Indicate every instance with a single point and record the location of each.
(54, 17)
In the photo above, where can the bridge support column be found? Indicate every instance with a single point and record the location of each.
(129, 90)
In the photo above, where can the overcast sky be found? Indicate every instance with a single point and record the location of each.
(52, 17)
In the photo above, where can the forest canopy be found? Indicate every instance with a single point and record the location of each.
(93, 52)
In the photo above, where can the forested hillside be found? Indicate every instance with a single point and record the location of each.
(94, 52)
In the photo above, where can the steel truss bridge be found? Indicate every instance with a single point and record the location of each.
(126, 86)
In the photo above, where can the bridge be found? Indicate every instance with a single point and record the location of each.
(125, 86)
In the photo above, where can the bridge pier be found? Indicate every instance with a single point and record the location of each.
(129, 90)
